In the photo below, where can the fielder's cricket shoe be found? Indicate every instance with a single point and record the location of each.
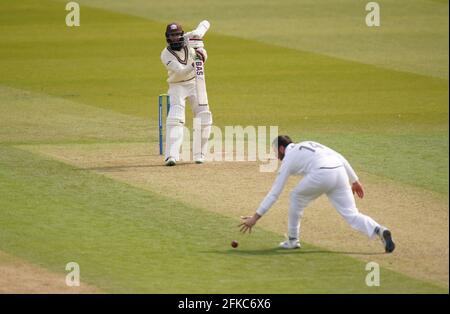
(170, 161)
(386, 237)
(290, 244)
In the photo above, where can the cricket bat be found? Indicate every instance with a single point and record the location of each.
(202, 95)
(198, 34)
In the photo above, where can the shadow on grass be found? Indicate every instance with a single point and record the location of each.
(279, 251)
(124, 168)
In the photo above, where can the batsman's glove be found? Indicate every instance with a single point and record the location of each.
(196, 43)
(201, 54)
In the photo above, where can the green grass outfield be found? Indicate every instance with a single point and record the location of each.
(128, 240)
(388, 115)
(376, 116)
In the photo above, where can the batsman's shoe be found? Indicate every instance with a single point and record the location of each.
(170, 162)
(200, 161)
(290, 244)
(386, 237)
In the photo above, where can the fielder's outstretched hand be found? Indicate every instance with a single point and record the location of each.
(358, 189)
(248, 223)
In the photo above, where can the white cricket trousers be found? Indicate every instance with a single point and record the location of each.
(178, 93)
(335, 184)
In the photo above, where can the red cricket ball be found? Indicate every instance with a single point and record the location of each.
(234, 244)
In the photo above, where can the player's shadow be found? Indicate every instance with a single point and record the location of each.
(279, 251)
(119, 168)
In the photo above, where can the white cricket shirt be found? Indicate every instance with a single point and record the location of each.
(179, 64)
(301, 159)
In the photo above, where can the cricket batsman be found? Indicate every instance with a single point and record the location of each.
(325, 172)
(179, 58)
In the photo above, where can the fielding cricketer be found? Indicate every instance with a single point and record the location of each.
(325, 172)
